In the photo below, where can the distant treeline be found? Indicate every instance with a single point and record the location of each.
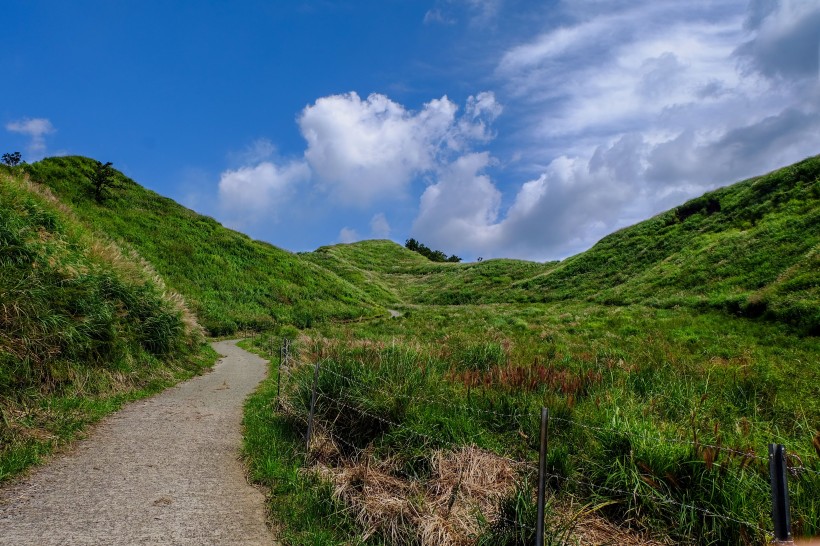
(434, 255)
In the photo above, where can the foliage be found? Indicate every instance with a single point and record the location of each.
(639, 398)
(103, 180)
(12, 159)
(669, 354)
(749, 250)
(430, 254)
(663, 383)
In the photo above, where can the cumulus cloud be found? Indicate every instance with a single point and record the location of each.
(554, 215)
(362, 151)
(36, 129)
(459, 211)
(379, 226)
(249, 192)
(634, 107)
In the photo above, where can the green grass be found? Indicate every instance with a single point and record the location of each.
(232, 282)
(655, 385)
(669, 355)
(695, 329)
(749, 249)
(83, 326)
(304, 512)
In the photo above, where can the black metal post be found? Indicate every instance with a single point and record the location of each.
(542, 482)
(312, 407)
(780, 493)
(279, 374)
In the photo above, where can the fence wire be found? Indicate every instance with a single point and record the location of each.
(286, 374)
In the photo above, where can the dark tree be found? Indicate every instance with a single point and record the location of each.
(430, 254)
(103, 179)
(13, 159)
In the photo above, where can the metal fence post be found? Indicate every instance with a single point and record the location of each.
(279, 371)
(780, 493)
(312, 407)
(542, 471)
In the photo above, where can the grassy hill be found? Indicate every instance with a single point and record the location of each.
(751, 249)
(663, 394)
(231, 281)
(84, 325)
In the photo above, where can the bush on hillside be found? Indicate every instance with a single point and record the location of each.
(430, 254)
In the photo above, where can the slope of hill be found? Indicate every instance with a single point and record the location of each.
(231, 281)
(404, 276)
(83, 325)
(662, 397)
(750, 249)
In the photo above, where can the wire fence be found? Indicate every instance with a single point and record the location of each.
(289, 403)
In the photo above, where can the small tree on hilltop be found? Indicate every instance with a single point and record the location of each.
(430, 254)
(102, 179)
(13, 159)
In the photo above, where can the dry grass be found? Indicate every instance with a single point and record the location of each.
(464, 488)
(587, 527)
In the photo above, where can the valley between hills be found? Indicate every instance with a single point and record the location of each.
(669, 355)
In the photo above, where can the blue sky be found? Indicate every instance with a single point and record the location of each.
(493, 128)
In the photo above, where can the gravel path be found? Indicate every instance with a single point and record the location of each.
(165, 470)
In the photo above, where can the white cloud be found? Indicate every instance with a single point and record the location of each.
(621, 110)
(633, 107)
(379, 226)
(460, 209)
(255, 152)
(484, 104)
(348, 235)
(364, 151)
(252, 191)
(36, 129)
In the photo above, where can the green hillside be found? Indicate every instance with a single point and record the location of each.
(84, 326)
(663, 395)
(231, 281)
(750, 249)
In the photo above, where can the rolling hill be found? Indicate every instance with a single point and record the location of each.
(750, 249)
(645, 336)
(231, 281)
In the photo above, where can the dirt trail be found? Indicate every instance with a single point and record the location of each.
(165, 470)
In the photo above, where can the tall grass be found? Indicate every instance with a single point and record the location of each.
(83, 326)
(664, 426)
